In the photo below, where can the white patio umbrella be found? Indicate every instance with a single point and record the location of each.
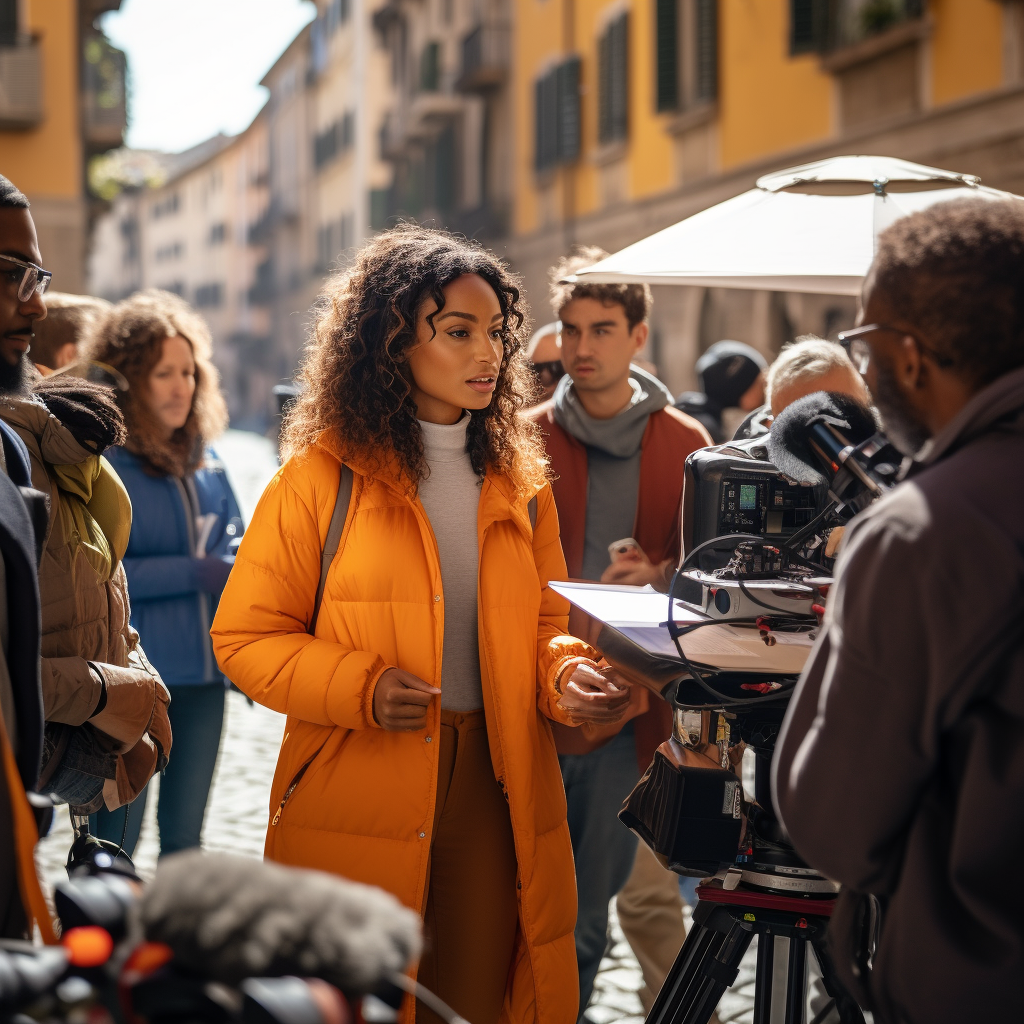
(806, 229)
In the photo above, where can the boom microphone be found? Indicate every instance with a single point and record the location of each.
(230, 918)
(808, 438)
(829, 438)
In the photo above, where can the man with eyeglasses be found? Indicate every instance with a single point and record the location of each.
(22, 285)
(21, 705)
(907, 725)
(105, 707)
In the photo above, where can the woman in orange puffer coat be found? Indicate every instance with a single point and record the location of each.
(417, 754)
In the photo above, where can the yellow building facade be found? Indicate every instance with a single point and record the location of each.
(61, 100)
(666, 107)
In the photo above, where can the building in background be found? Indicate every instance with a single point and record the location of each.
(62, 102)
(447, 134)
(192, 227)
(536, 124)
(633, 114)
(248, 228)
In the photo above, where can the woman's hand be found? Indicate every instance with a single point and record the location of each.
(599, 696)
(400, 701)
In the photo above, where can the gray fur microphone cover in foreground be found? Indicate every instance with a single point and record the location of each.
(229, 918)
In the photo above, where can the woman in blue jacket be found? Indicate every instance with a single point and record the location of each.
(185, 527)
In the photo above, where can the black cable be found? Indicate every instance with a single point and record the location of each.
(124, 831)
(808, 530)
(676, 632)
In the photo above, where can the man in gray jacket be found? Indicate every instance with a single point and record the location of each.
(900, 767)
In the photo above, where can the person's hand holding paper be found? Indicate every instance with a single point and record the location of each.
(598, 696)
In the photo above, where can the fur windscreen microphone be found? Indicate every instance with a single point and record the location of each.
(808, 436)
(230, 918)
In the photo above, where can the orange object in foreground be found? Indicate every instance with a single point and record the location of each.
(148, 957)
(88, 946)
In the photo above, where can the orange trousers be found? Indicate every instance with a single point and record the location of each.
(472, 913)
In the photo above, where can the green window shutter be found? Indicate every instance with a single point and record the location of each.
(379, 202)
(567, 93)
(706, 51)
(548, 112)
(801, 26)
(666, 54)
(604, 87)
(619, 52)
(445, 171)
(814, 25)
(430, 67)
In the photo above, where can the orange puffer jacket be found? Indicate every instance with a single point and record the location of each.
(349, 797)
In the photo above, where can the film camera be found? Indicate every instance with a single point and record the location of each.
(759, 522)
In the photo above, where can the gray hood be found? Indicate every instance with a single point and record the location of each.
(621, 435)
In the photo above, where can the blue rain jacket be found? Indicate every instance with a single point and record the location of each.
(173, 616)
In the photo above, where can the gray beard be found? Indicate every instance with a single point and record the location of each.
(900, 425)
(14, 379)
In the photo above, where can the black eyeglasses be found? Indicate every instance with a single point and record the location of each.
(30, 279)
(859, 350)
(550, 372)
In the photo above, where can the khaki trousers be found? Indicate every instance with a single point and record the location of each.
(650, 911)
(472, 913)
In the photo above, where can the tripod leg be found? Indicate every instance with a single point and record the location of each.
(796, 982)
(763, 978)
(705, 967)
(846, 1006)
(718, 974)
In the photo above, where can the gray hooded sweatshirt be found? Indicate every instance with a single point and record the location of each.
(613, 461)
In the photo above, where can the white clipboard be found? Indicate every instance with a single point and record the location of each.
(640, 614)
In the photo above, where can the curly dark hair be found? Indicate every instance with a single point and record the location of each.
(956, 270)
(635, 299)
(356, 382)
(130, 338)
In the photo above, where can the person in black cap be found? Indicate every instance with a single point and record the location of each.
(731, 376)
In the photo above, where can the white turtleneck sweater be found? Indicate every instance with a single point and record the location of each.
(451, 498)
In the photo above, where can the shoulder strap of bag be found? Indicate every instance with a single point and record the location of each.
(532, 509)
(333, 541)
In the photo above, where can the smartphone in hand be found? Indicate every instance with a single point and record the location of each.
(626, 549)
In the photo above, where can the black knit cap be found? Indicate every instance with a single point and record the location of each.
(727, 370)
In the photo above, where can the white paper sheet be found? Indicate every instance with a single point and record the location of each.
(638, 613)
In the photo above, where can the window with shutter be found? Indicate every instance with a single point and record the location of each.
(8, 22)
(567, 90)
(619, 30)
(801, 26)
(430, 67)
(604, 87)
(613, 81)
(546, 121)
(816, 25)
(706, 51)
(557, 115)
(666, 54)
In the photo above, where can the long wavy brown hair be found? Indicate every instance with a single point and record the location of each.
(355, 380)
(130, 339)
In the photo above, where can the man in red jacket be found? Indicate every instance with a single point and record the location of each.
(617, 448)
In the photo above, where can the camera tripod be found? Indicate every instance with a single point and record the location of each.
(724, 922)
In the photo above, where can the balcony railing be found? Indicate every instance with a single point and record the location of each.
(485, 58)
(104, 106)
(21, 88)
(830, 25)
